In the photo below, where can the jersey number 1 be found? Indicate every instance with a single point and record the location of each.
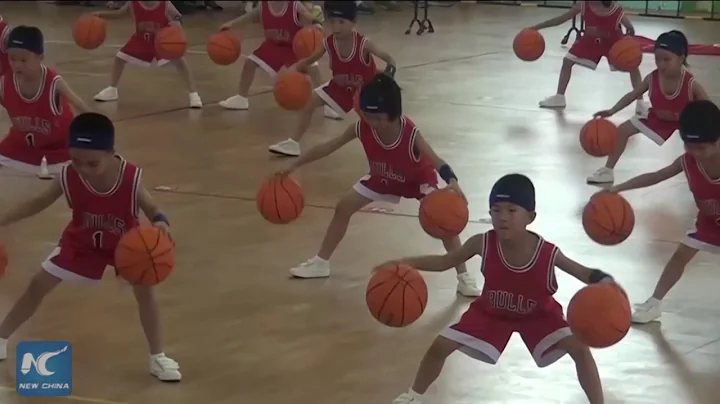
(97, 239)
(30, 139)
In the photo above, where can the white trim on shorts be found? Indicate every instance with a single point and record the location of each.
(645, 130)
(30, 168)
(692, 242)
(588, 64)
(266, 67)
(320, 91)
(62, 273)
(361, 189)
(545, 356)
(135, 61)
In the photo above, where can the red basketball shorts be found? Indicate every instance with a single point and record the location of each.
(588, 51)
(140, 51)
(655, 128)
(272, 57)
(381, 190)
(484, 337)
(71, 264)
(340, 99)
(16, 154)
(705, 236)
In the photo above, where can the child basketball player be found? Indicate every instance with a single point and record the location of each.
(402, 165)
(38, 102)
(150, 17)
(105, 194)
(671, 88)
(352, 64)
(700, 131)
(280, 20)
(4, 59)
(602, 30)
(519, 268)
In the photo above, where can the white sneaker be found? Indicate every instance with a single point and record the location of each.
(407, 398)
(642, 107)
(467, 285)
(647, 312)
(43, 173)
(331, 114)
(603, 175)
(195, 101)
(554, 101)
(236, 102)
(164, 368)
(315, 267)
(287, 147)
(3, 349)
(109, 93)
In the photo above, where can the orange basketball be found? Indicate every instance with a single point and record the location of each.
(145, 256)
(3, 258)
(443, 214)
(170, 43)
(89, 31)
(292, 90)
(307, 41)
(625, 55)
(396, 295)
(529, 45)
(223, 48)
(280, 200)
(599, 137)
(608, 218)
(599, 315)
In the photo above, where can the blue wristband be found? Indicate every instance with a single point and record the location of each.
(161, 218)
(597, 276)
(447, 174)
(390, 70)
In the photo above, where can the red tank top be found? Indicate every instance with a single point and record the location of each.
(100, 219)
(354, 71)
(607, 23)
(149, 21)
(668, 107)
(39, 124)
(705, 190)
(517, 292)
(397, 164)
(280, 27)
(4, 58)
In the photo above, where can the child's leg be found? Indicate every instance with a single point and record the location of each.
(40, 286)
(641, 107)
(187, 76)
(558, 100)
(430, 368)
(247, 76)
(585, 367)
(161, 366)
(291, 147)
(467, 285)
(110, 93)
(319, 266)
(605, 174)
(314, 73)
(584, 52)
(650, 310)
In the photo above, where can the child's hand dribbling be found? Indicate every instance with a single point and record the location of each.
(285, 171)
(456, 187)
(165, 229)
(225, 26)
(603, 114)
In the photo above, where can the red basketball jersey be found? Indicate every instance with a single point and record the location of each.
(4, 59)
(148, 21)
(354, 71)
(398, 164)
(517, 292)
(39, 124)
(280, 26)
(607, 23)
(668, 107)
(100, 219)
(706, 192)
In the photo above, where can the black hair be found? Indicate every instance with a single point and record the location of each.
(384, 90)
(701, 120)
(94, 126)
(343, 9)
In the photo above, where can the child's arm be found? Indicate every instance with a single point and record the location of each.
(109, 14)
(582, 273)
(629, 28)
(324, 149)
(555, 21)
(698, 92)
(626, 99)
(438, 263)
(649, 179)
(33, 206)
(77, 103)
(443, 168)
(373, 50)
(152, 210)
(253, 16)
(307, 17)
(173, 14)
(302, 65)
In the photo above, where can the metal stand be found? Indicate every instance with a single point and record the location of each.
(576, 27)
(423, 25)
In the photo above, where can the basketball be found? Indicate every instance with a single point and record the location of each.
(599, 137)
(529, 45)
(625, 55)
(223, 48)
(443, 214)
(3, 258)
(170, 43)
(608, 218)
(396, 295)
(307, 41)
(292, 90)
(89, 31)
(599, 315)
(145, 256)
(280, 200)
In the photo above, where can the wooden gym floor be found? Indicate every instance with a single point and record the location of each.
(244, 333)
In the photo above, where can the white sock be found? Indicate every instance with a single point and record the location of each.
(3, 341)
(157, 356)
(320, 260)
(654, 301)
(414, 393)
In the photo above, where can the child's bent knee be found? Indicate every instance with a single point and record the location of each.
(441, 348)
(42, 284)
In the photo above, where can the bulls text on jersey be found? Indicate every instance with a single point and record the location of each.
(509, 301)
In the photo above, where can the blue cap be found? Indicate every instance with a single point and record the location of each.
(516, 189)
(27, 38)
(92, 131)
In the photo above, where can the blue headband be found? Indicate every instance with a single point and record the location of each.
(84, 141)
